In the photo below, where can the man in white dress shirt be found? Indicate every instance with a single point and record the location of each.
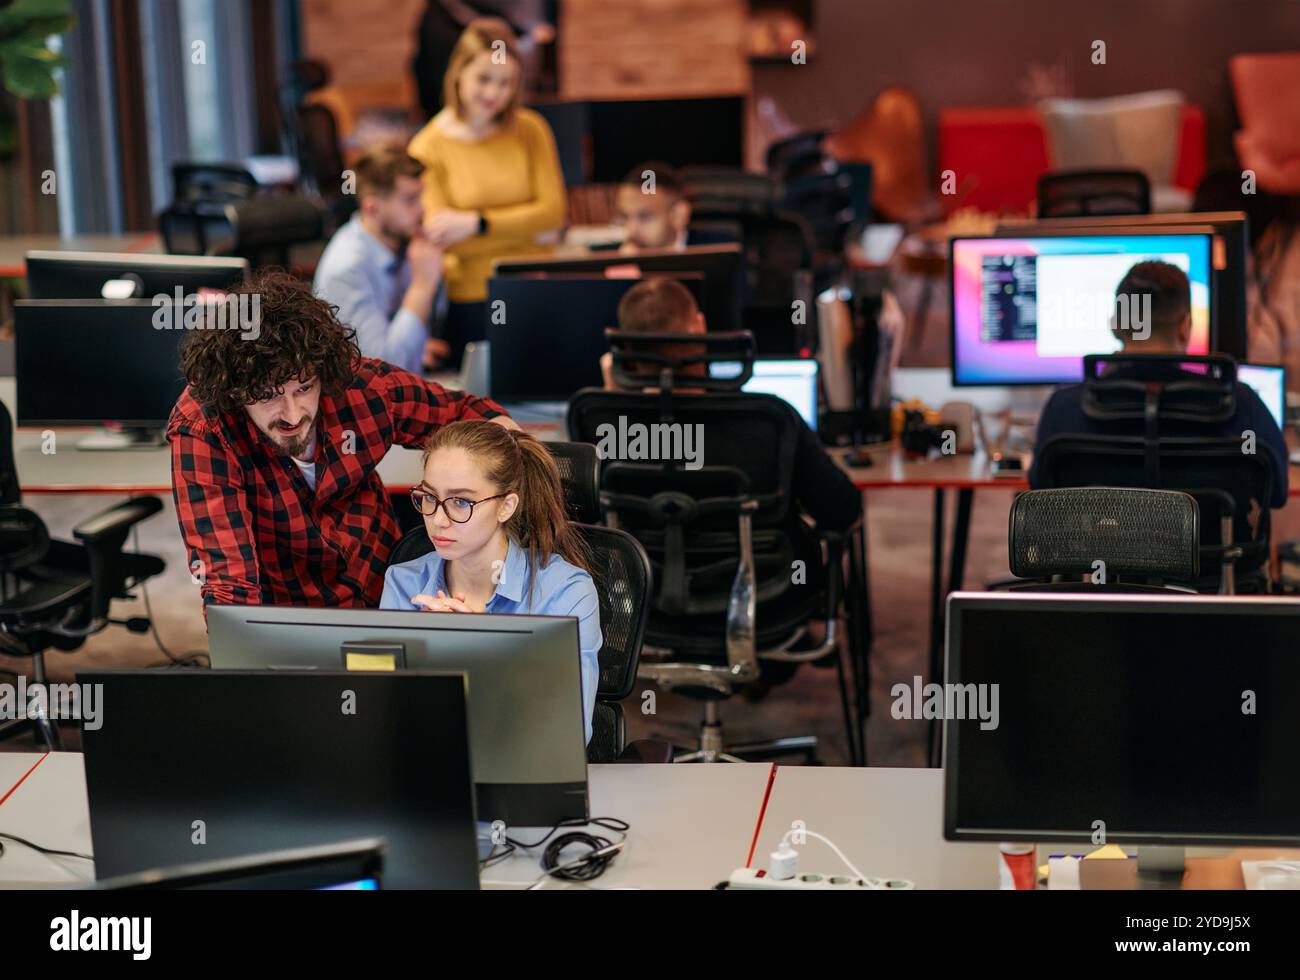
(380, 270)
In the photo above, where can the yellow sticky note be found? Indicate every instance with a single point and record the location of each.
(370, 661)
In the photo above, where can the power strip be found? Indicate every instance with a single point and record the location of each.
(757, 878)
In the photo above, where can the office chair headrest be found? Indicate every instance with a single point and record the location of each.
(1182, 387)
(666, 360)
(1133, 532)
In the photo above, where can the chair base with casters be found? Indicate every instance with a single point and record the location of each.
(712, 747)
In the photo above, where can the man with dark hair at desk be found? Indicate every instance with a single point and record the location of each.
(275, 444)
(380, 270)
(1163, 329)
(655, 214)
(664, 305)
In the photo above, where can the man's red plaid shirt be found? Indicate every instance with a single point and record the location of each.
(257, 533)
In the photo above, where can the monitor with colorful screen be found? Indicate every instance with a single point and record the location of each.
(1269, 382)
(1025, 310)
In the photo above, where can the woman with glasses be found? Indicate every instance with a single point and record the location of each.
(494, 509)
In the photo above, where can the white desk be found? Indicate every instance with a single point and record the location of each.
(888, 822)
(49, 809)
(691, 825)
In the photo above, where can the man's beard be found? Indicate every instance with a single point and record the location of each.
(401, 237)
(298, 444)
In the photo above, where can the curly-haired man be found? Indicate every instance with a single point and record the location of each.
(275, 442)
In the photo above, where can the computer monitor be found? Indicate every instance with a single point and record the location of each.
(721, 265)
(1230, 256)
(527, 731)
(347, 866)
(1152, 720)
(193, 765)
(792, 379)
(89, 361)
(86, 362)
(114, 275)
(549, 340)
(1026, 309)
(683, 132)
(1269, 382)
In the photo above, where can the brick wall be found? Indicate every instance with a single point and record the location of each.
(365, 42)
(607, 48)
(639, 49)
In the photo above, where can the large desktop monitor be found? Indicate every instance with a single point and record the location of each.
(527, 732)
(600, 141)
(1026, 309)
(86, 362)
(114, 275)
(1152, 720)
(1230, 255)
(191, 765)
(721, 265)
(548, 341)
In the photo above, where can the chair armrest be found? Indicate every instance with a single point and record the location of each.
(646, 750)
(103, 537)
(116, 520)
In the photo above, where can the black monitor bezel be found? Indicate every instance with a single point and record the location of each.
(1101, 603)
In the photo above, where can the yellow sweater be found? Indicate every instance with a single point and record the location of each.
(512, 176)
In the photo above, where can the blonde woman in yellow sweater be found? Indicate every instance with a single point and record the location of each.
(492, 181)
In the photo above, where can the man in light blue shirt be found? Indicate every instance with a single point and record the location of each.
(380, 270)
(558, 589)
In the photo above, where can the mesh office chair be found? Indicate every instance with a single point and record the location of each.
(799, 155)
(197, 222)
(1116, 539)
(779, 249)
(1232, 488)
(1071, 193)
(54, 594)
(621, 571)
(723, 538)
(217, 210)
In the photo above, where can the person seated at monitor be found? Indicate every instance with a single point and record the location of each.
(494, 510)
(275, 445)
(380, 270)
(1168, 332)
(663, 305)
(654, 212)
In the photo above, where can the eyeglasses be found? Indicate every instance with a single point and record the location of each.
(457, 509)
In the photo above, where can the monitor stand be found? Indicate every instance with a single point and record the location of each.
(126, 438)
(1160, 867)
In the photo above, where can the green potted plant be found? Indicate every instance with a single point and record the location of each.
(27, 64)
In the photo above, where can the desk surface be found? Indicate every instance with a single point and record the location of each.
(888, 822)
(691, 825)
(14, 248)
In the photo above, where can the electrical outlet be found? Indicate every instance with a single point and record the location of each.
(756, 878)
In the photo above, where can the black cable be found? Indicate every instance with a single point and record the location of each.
(586, 868)
(606, 823)
(190, 659)
(52, 852)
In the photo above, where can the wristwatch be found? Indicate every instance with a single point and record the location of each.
(482, 223)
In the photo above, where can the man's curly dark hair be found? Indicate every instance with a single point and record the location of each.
(299, 336)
